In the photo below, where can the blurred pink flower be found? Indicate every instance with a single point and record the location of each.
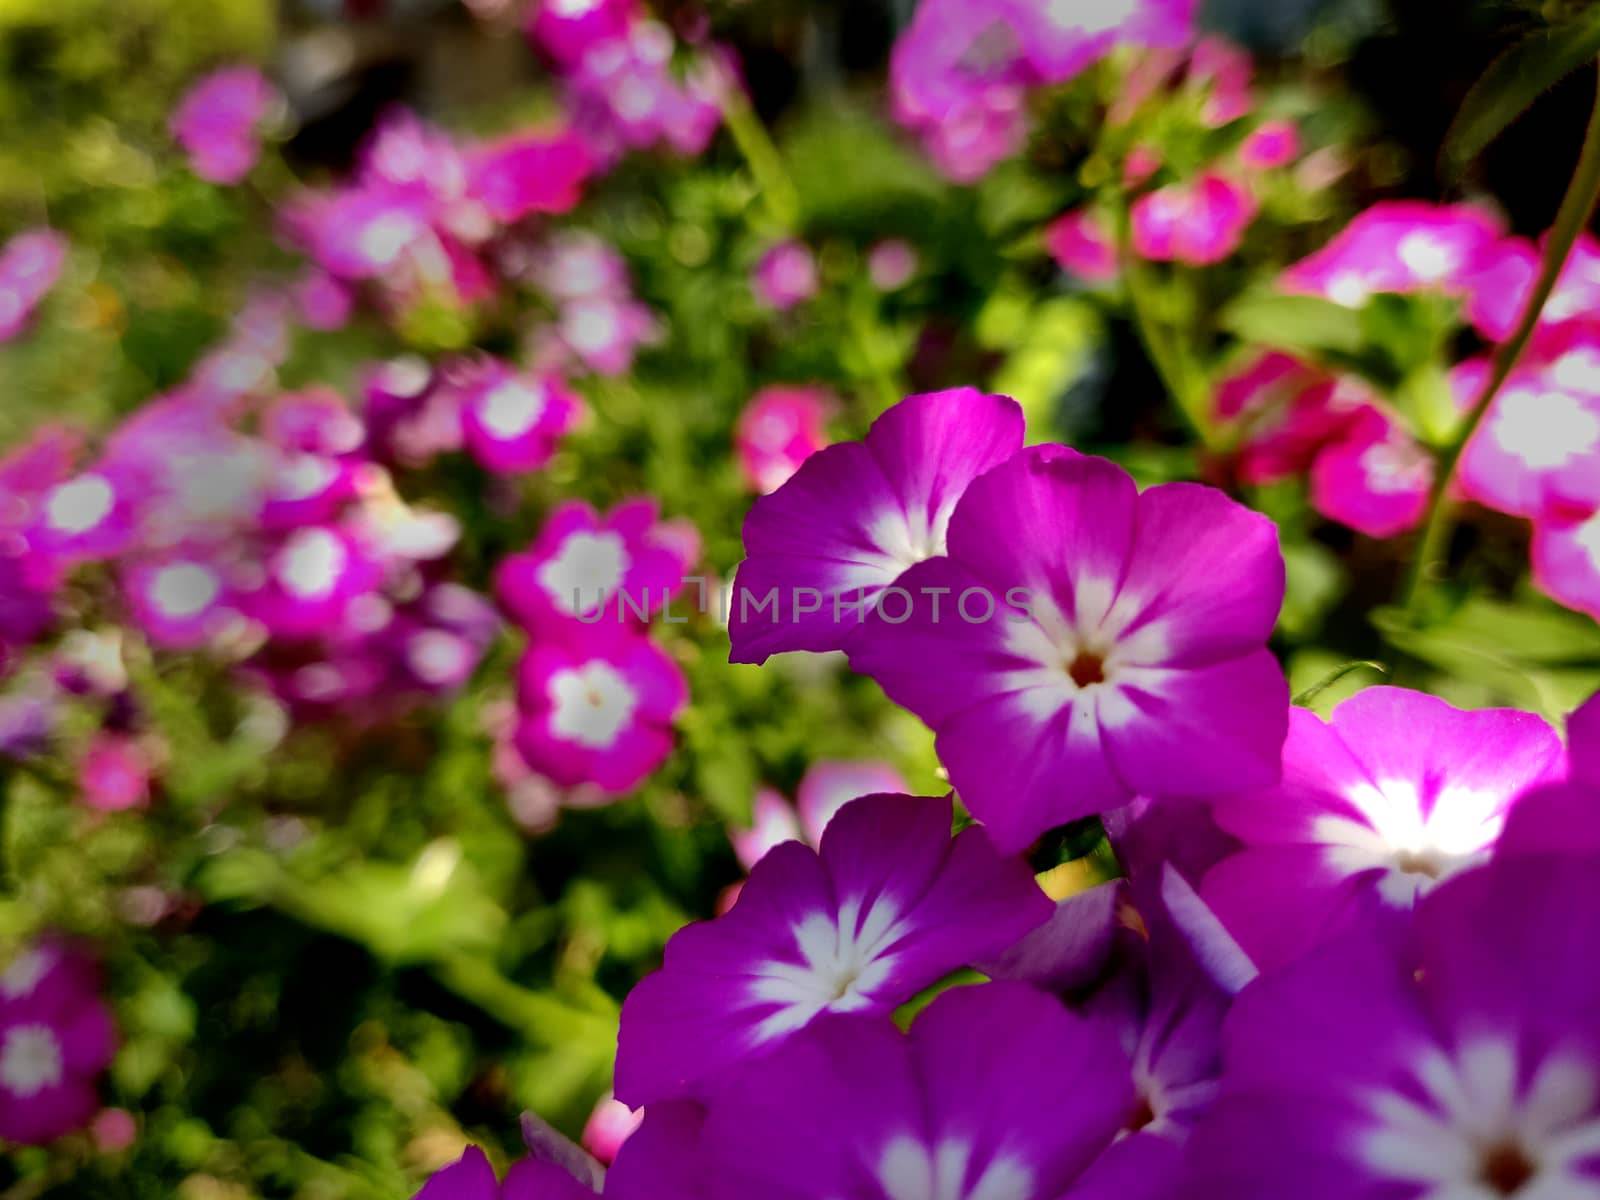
(217, 121)
(1199, 222)
(785, 276)
(1080, 245)
(779, 429)
(114, 774)
(1273, 144)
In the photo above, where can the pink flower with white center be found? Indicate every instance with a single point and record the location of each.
(772, 822)
(1537, 450)
(218, 120)
(529, 173)
(1061, 38)
(512, 422)
(785, 276)
(855, 515)
(56, 1038)
(90, 516)
(1395, 793)
(1113, 638)
(1270, 145)
(1399, 246)
(180, 600)
(605, 332)
(1286, 412)
(625, 95)
(840, 929)
(1566, 560)
(891, 264)
(1375, 478)
(1199, 222)
(596, 706)
(830, 784)
(1224, 70)
(316, 420)
(114, 774)
(778, 430)
(30, 264)
(311, 579)
(593, 569)
(307, 489)
(1079, 243)
(366, 232)
(576, 266)
(566, 30)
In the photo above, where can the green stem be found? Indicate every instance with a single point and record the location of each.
(1577, 207)
(1167, 354)
(762, 157)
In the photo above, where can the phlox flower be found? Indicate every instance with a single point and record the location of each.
(778, 430)
(567, 30)
(513, 423)
(1373, 477)
(609, 1126)
(181, 599)
(217, 123)
(56, 1037)
(1563, 816)
(1396, 792)
(1081, 246)
(843, 929)
(114, 774)
(1566, 559)
(1197, 222)
(1271, 144)
(1461, 1062)
(1122, 643)
(857, 514)
(30, 264)
(1285, 412)
(785, 276)
(827, 787)
(584, 566)
(969, 1105)
(529, 173)
(596, 706)
(892, 263)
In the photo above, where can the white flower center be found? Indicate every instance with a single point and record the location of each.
(311, 562)
(1480, 1133)
(847, 958)
(1428, 256)
(438, 657)
(511, 409)
(913, 1170)
(184, 590)
(304, 476)
(573, 8)
(1545, 429)
(385, 238)
(588, 568)
(30, 1060)
(592, 705)
(1393, 469)
(78, 505)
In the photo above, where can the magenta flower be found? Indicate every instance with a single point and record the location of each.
(56, 1037)
(529, 173)
(1537, 450)
(567, 30)
(785, 276)
(605, 332)
(1088, 632)
(857, 514)
(610, 1125)
(512, 423)
(180, 600)
(93, 515)
(1287, 411)
(323, 302)
(772, 822)
(1080, 245)
(778, 430)
(1224, 71)
(970, 1105)
(843, 929)
(1561, 818)
(1271, 144)
(585, 567)
(313, 577)
(625, 94)
(218, 120)
(596, 706)
(830, 784)
(580, 266)
(1399, 246)
(1374, 477)
(892, 263)
(1463, 1065)
(114, 775)
(1566, 560)
(30, 264)
(1397, 792)
(1198, 222)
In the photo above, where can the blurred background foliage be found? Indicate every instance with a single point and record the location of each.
(371, 956)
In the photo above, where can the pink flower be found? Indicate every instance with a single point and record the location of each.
(30, 264)
(1566, 560)
(1272, 144)
(596, 706)
(1080, 244)
(217, 120)
(828, 785)
(567, 30)
(56, 1037)
(891, 264)
(779, 429)
(785, 276)
(114, 774)
(529, 173)
(1198, 223)
(772, 823)
(324, 302)
(512, 423)
(1225, 70)
(181, 600)
(1375, 478)
(611, 1124)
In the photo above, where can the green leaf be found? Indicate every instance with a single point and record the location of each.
(1267, 317)
(1514, 81)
